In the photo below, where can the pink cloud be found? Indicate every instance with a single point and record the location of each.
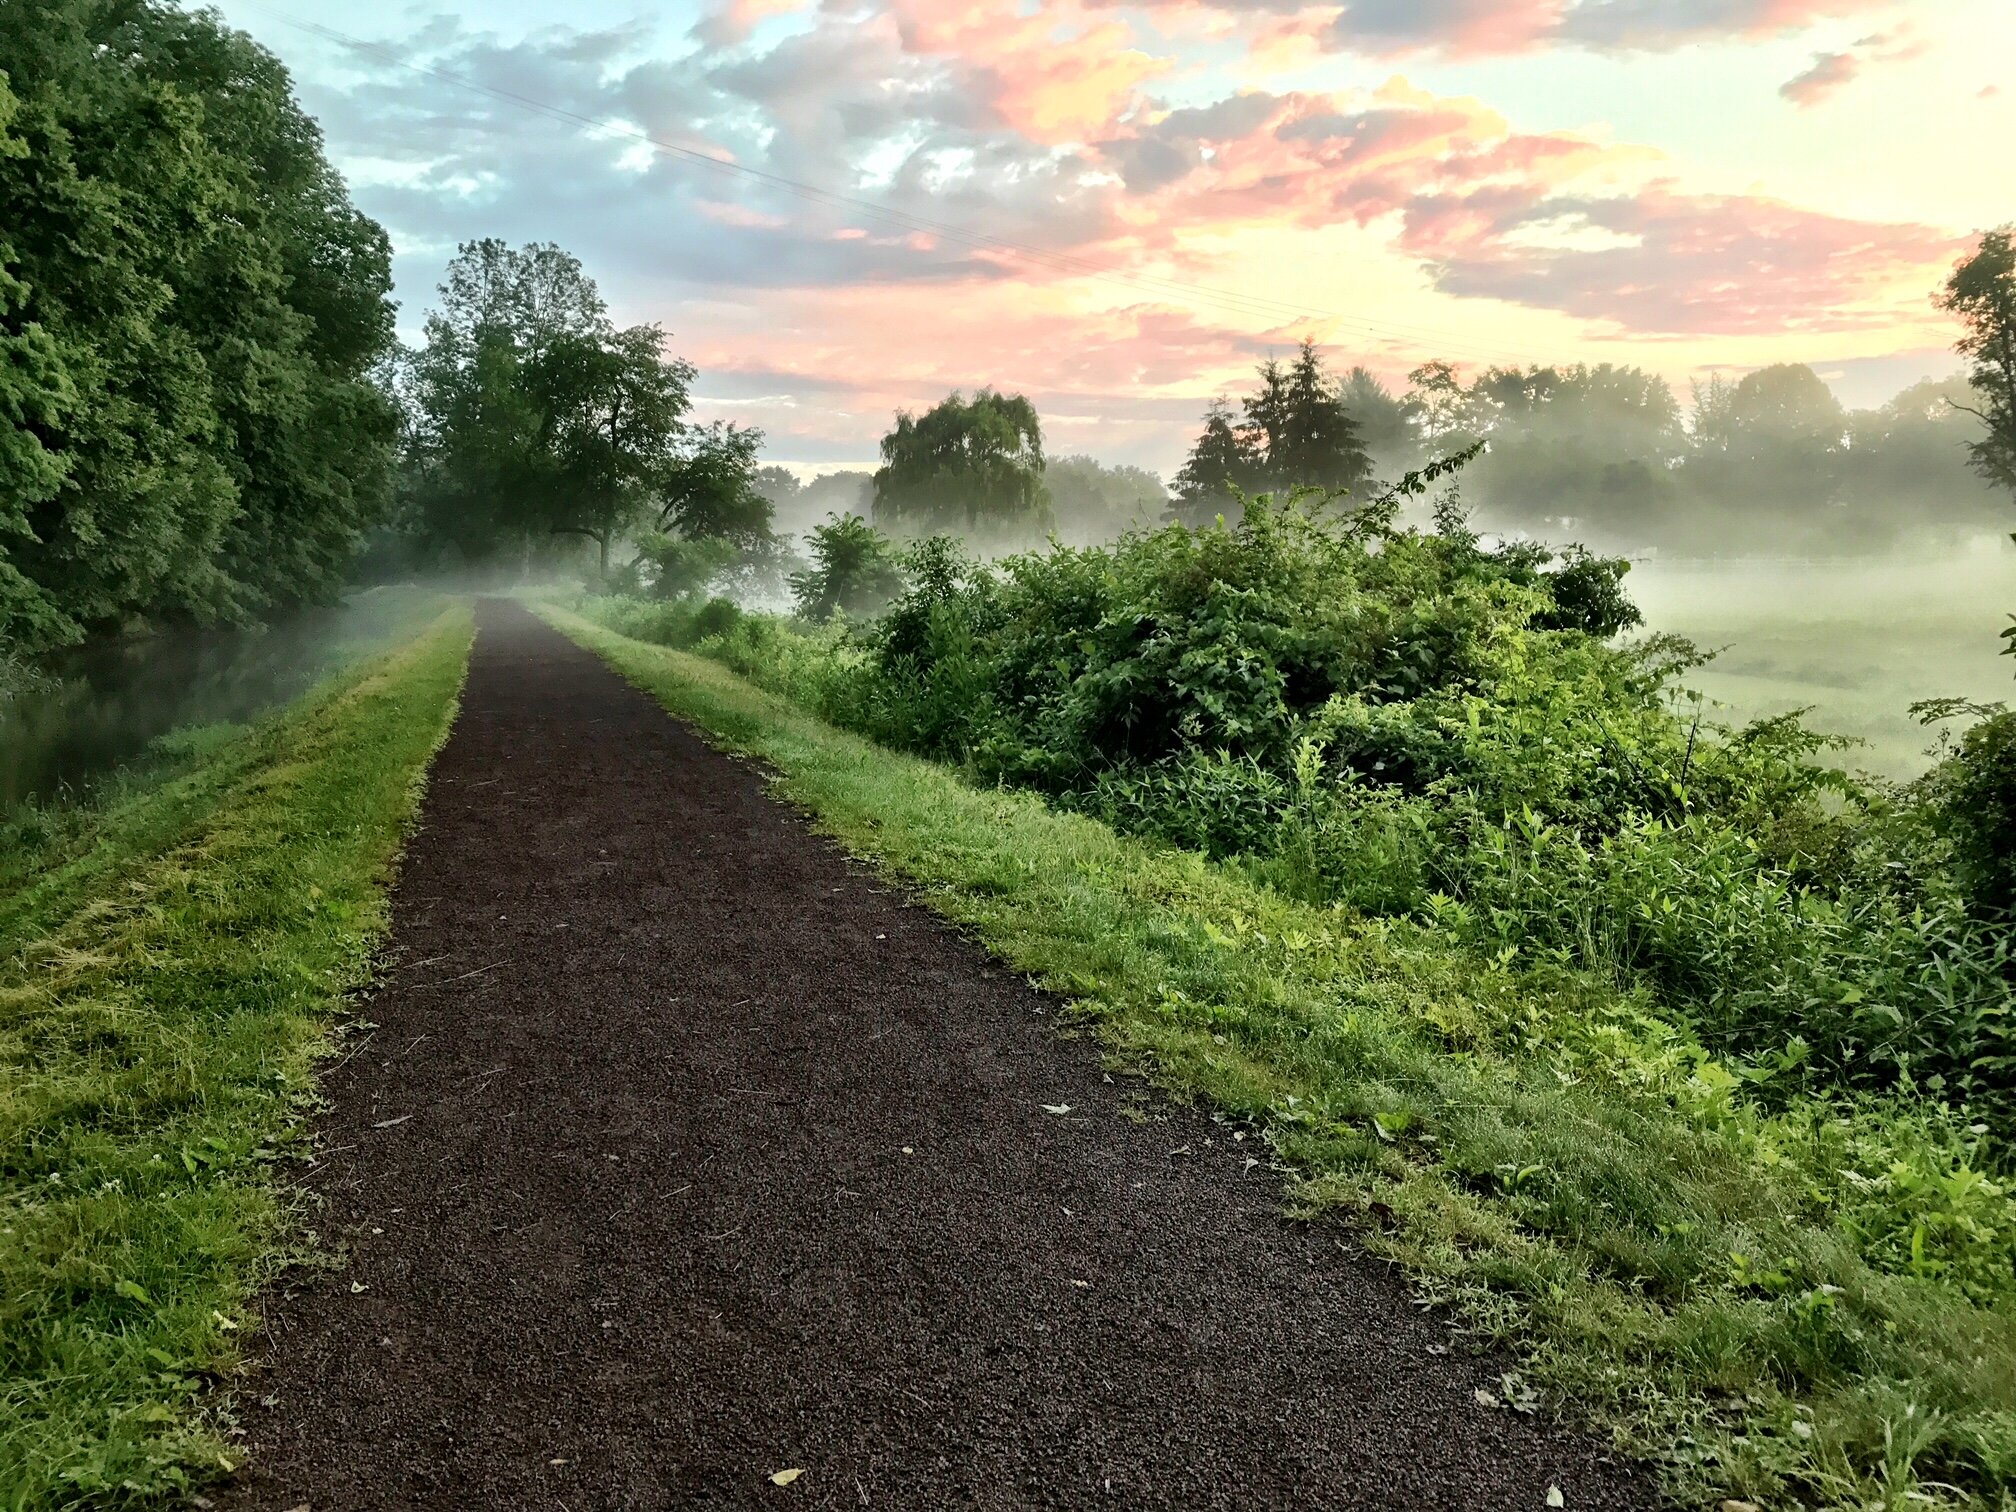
(1056, 75)
(1832, 71)
(1479, 28)
(1554, 220)
(1666, 261)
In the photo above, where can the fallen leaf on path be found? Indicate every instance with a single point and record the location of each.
(1732, 1505)
(785, 1477)
(1056, 1107)
(1555, 1498)
(1484, 1398)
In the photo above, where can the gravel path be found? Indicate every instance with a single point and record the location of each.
(685, 1153)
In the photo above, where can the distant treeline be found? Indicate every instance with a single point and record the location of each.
(1766, 464)
(205, 416)
(1771, 461)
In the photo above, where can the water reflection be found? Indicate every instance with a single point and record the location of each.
(100, 708)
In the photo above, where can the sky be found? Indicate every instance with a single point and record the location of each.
(843, 208)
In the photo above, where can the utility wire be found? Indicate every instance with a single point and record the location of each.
(1258, 306)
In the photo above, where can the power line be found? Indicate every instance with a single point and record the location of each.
(1259, 306)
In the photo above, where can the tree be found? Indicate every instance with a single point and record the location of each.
(778, 484)
(973, 468)
(1981, 294)
(1221, 466)
(1388, 425)
(1444, 410)
(533, 415)
(614, 405)
(1294, 432)
(1578, 447)
(1312, 441)
(1769, 450)
(1910, 468)
(1095, 503)
(854, 570)
(190, 314)
(709, 490)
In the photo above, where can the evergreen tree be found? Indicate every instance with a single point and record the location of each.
(1221, 465)
(1317, 444)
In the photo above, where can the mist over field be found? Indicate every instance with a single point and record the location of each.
(1858, 640)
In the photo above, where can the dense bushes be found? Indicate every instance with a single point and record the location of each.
(1408, 724)
(1784, 1299)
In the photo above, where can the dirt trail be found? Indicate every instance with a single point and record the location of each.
(686, 1152)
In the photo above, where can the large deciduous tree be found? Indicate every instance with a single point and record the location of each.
(1096, 503)
(534, 415)
(190, 311)
(965, 467)
(1982, 295)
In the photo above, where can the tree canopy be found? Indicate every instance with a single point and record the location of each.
(533, 415)
(1294, 432)
(190, 312)
(968, 467)
(1096, 503)
(1982, 294)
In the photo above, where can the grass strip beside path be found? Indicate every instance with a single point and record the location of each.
(165, 991)
(1572, 1174)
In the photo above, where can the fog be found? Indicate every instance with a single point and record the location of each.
(93, 712)
(1856, 639)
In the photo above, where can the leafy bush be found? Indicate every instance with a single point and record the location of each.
(1413, 725)
(1974, 793)
(853, 570)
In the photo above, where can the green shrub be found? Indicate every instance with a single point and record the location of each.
(1410, 725)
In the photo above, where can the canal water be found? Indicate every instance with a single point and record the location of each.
(102, 709)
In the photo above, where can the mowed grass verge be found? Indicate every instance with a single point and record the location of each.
(1568, 1172)
(170, 970)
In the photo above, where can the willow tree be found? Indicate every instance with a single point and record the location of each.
(965, 467)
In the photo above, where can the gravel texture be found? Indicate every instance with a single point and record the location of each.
(685, 1152)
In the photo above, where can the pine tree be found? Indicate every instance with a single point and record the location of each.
(1221, 461)
(1314, 444)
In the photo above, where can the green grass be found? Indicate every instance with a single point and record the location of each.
(171, 966)
(1807, 1308)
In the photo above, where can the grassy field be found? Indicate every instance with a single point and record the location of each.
(172, 962)
(1729, 1291)
(1858, 642)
